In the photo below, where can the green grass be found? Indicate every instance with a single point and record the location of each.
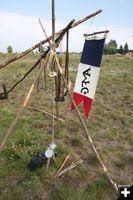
(110, 124)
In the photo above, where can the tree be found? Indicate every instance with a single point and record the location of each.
(126, 50)
(121, 50)
(111, 47)
(9, 49)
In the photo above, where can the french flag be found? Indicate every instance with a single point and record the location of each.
(88, 73)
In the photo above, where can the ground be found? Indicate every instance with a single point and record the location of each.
(110, 124)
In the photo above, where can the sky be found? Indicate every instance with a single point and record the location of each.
(19, 25)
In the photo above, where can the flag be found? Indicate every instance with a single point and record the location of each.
(88, 73)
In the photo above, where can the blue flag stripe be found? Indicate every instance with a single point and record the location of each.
(92, 52)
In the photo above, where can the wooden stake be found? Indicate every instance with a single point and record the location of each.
(74, 164)
(46, 40)
(63, 164)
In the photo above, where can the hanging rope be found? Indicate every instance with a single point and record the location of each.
(88, 30)
(100, 16)
(53, 127)
(67, 57)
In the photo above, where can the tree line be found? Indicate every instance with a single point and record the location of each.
(112, 48)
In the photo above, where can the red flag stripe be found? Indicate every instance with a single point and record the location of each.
(78, 98)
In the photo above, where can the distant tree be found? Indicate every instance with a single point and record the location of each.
(126, 50)
(111, 47)
(121, 50)
(9, 49)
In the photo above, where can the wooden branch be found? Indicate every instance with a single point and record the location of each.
(46, 113)
(13, 124)
(114, 185)
(96, 33)
(63, 164)
(44, 32)
(73, 165)
(46, 40)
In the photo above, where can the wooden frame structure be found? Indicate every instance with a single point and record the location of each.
(56, 38)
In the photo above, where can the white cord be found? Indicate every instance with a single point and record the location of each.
(90, 24)
(53, 129)
(100, 16)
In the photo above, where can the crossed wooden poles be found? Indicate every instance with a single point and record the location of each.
(59, 35)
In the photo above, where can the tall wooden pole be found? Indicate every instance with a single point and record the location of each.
(53, 21)
(56, 78)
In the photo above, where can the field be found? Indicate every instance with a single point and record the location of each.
(110, 124)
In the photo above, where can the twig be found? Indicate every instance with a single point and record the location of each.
(74, 164)
(47, 113)
(63, 164)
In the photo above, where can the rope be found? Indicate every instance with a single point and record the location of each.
(90, 24)
(53, 127)
(100, 16)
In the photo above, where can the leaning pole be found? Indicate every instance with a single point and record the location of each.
(47, 39)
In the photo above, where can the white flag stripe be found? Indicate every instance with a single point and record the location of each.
(86, 81)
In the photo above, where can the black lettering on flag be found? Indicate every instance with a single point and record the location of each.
(86, 81)
(84, 90)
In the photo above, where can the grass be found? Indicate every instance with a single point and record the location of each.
(110, 125)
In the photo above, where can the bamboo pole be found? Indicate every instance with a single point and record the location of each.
(12, 126)
(114, 185)
(63, 164)
(46, 40)
(45, 32)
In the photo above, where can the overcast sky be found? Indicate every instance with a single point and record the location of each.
(19, 26)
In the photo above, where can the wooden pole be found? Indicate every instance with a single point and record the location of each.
(46, 40)
(63, 164)
(114, 185)
(12, 126)
(74, 164)
(96, 33)
(53, 21)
